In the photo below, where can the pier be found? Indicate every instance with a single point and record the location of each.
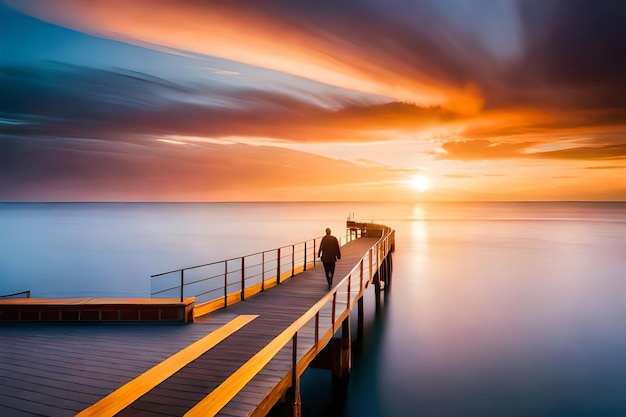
(239, 354)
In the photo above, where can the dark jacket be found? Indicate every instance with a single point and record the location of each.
(329, 249)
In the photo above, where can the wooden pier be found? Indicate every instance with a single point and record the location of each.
(241, 360)
(85, 310)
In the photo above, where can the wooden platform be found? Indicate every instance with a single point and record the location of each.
(95, 309)
(169, 369)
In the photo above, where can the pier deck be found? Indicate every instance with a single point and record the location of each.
(224, 364)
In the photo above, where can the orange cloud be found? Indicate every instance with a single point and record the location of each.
(64, 170)
(482, 149)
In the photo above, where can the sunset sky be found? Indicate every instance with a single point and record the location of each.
(279, 100)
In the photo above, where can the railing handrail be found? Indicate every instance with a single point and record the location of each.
(27, 293)
(204, 288)
(222, 394)
(233, 259)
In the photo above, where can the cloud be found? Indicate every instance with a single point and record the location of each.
(573, 57)
(353, 46)
(567, 54)
(608, 167)
(71, 101)
(482, 149)
(559, 52)
(491, 81)
(600, 152)
(461, 176)
(72, 169)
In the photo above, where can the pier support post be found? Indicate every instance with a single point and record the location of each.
(294, 395)
(341, 362)
(389, 269)
(378, 282)
(296, 403)
(377, 297)
(291, 404)
(383, 274)
(358, 341)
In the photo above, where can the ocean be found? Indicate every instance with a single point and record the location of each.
(496, 309)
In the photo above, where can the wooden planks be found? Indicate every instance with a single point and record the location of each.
(65, 369)
(125, 395)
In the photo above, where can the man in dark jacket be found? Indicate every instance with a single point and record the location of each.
(330, 253)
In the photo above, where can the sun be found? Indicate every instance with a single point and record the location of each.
(420, 182)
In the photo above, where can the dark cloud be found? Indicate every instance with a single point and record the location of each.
(61, 100)
(574, 56)
(69, 101)
(572, 53)
(578, 43)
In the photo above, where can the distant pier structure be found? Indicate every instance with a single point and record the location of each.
(254, 325)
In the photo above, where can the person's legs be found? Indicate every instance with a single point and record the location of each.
(329, 270)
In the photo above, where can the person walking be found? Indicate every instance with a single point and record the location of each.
(330, 253)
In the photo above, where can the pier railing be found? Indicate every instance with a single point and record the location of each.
(309, 333)
(222, 283)
(21, 294)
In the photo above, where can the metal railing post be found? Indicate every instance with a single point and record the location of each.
(317, 329)
(305, 256)
(263, 271)
(278, 267)
(348, 298)
(293, 260)
(361, 275)
(294, 361)
(225, 283)
(243, 278)
(333, 310)
(371, 258)
(182, 284)
(314, 253)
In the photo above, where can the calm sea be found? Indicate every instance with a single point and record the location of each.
(496, 309)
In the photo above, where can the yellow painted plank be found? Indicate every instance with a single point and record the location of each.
(128, 393)
(220, 396)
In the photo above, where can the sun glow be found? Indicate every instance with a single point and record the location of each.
(420, 182)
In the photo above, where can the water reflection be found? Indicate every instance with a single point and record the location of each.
(419, 237)
(509, 318)
(514, 315)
